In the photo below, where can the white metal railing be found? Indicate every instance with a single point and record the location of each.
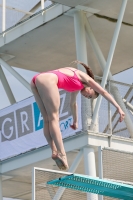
(4, 15)
(108, 115)
(13, 12)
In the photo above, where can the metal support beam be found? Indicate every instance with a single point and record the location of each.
(96, 127)
(95, 46)
(18, 10)
(33, 10)
(15, 74)
(80, 38)
(50, 13)
(71, 169)
(114, 115)
(7, 87)
(81, 51)
(109, 59)
(33, 184)
(128, 105)
(3, 15)
(1, 195)
(100, 168)
(90, 167)
(42, 4)
(127, 119)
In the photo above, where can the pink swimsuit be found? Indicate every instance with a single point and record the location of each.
(68, 83)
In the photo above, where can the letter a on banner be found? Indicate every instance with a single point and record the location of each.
(38, 120)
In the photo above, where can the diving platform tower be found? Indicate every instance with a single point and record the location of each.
(98, 33)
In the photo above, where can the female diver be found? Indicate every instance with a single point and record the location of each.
(45, 89)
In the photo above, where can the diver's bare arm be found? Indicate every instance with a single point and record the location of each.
(95, 86)
(74, 109)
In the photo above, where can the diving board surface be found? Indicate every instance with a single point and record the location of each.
(94, 185)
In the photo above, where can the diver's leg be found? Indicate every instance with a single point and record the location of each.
(50, 97)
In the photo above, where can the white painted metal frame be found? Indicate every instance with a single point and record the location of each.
(4, 15)
(15, 74)
(95, 46)
(33, 184)
(127, 119)
(109, 117)
(23, 11)
(128, 105)
(75, 164)
(60, 190)
(7, 87)
(115, 92)
(90, 167)
(15, 33)
(3, 5)
(100, 168)
(42, 4)
(109, 59)
(46, 170)
(1, 194)
(109, 113)
(37, 20)
(102, 62)
(81, 50)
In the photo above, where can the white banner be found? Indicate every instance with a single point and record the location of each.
(21, 125)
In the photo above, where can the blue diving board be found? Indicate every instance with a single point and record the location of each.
(94, 185)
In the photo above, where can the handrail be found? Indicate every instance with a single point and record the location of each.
(4, 6)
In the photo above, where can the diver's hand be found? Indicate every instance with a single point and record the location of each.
(122, 114)
(74, 126)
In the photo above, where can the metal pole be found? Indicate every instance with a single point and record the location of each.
(71, 169)
(109, 60)
(81, 51)
(109, 111)
(96, 127)
(100, 167)
(90, 167)
(95, 46)
(42, 4)
(80, 38)
(4, 15)
(1, 195)
(109, 118)
(128, 105)
(33, 184)
(7, 87)
(15, 74)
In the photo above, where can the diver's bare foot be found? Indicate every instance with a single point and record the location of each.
(60, 160)
(63, 159)
(55, 158)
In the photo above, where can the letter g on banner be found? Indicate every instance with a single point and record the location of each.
(11, 128)
(7, 126)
